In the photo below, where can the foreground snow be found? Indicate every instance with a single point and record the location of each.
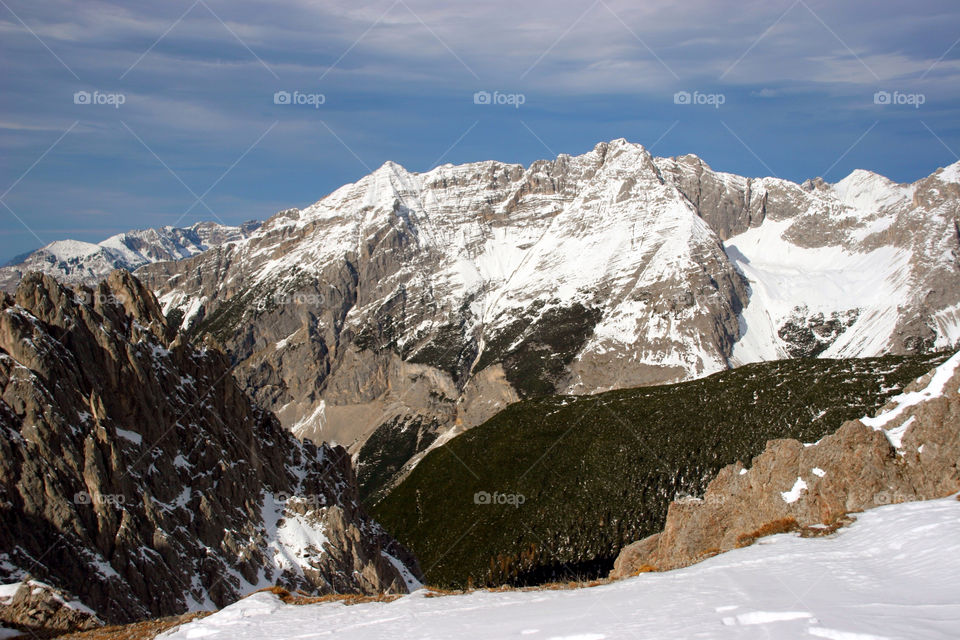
(895, 573)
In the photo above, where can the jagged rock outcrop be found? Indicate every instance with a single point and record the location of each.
(137, 475)
(41, 611)
(909, 451)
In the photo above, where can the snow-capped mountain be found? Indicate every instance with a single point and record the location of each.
(434, 299)
(74, 261)
(137, 476)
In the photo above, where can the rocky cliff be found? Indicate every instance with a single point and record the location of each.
(909, 451)
(137, 475)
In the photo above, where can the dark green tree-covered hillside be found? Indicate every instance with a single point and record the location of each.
(552, 488)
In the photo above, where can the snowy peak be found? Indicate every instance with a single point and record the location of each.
(868, 192)
(950, 174)
(67, 250)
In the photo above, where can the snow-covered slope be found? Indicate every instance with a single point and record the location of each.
(74, 261)
(863, 267)
(892, 574)
(859, 291)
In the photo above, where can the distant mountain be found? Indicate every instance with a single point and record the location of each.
(138, 477)
(74, 261)
(407, 307)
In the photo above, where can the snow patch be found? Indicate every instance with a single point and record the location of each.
(765, 617)
(132, 436)
(826, 280)
(794, 494)
(7, 591)
(895, 435)
(934, 389)
(408, 578)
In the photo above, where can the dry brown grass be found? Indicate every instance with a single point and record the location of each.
(437, 592)
(782, 525)
(709, 553)
(146, 630)
(645, 568)
(300, 598)
(828, 529)
(563, 586)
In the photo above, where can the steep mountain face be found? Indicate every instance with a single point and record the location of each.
(551, 489)
(407, 307)
(136, 475)
(908, 451)
(76, 262)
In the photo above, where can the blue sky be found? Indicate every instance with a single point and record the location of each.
(199, 136)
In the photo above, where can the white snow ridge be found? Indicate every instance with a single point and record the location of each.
(892, 574)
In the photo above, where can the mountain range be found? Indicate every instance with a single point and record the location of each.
(75, 261)
(160, 429)
(408, 307)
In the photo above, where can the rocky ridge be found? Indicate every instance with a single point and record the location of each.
(909, 451)
(136, 475)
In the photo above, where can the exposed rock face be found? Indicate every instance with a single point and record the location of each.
(76, 262)
(135, 473)
(41, 611)
(807, 335)
(728, 203)
(607, 270)
(909, 451)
